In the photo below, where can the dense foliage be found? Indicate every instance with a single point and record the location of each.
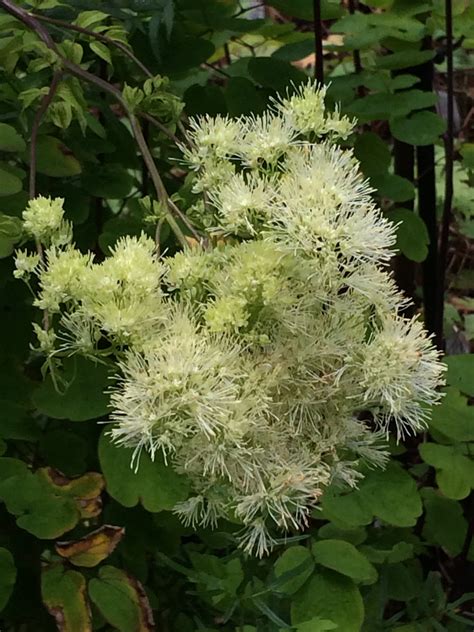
(218, 348)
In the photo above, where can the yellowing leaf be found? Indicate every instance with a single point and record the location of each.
(93, 548)
(64, 595)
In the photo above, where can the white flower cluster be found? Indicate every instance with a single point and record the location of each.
(268, 365)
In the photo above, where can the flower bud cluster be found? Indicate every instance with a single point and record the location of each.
(271, 364)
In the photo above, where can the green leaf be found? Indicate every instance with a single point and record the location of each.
(421, 128)
(403, 582)
(10, 233)
(296, 559)
(101, 51)
(404, 59)
(55, 159)
(83, 397)
(295, 50)
(412, 234)
(373, 153)
(344, 558)
(316, 625)
(393, 187)
(386, 105)
(391, 495)
(328, 595)
(454, 418)
(467, 153)
(156, 485)
(242, 97)
(7, 576)
(86, 19)
(346, 510)
(303, 9)
(9, 183)
(64, 595)
(398, 553)
(93, 548)
(445, 524)
(121, 600)
(461, 372)
(454, 470)
(109, 181)
(274, 73)
(37, 508)
(10, 139)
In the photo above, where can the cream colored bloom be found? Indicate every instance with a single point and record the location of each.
(43, 219)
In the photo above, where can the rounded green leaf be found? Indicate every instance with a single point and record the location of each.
(242, 97)
(421, 128)
(64, 595)
(445, 524)
(121, 600)
(7, 576)
(454, 418)
(394, 187)
(292, 569)
(110, 181)
(373, 153)
(343, 557)
(10, 139)
(412, 234)
(156, 485)
(274, 73)
(461, 372)
(84, 396)
(328, 595)
(9, 183)
(345, 510)
(454, 470)
(55, 159)
(391, 495)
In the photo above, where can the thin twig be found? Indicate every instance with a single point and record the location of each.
(98, 36)
(44, 105)
(151, 119)
(156, 179)
(448, 183)
(76, 70)
(318, 42)
(186, 222)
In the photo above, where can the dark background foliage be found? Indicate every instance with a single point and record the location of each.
(87, 544)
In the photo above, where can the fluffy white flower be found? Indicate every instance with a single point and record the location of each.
(400, 371)
(43, 219)
(256, 365)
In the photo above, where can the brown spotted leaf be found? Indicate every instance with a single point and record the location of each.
(64, 595)
(85, 490)
(92, 548)
(121, 600)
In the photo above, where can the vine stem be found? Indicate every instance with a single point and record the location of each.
(318, 42)
(74, 69)
(448, 183)
(100, 37)
(44, 105)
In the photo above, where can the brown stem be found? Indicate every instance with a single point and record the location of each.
(185, 221)
(98, 36)
(76, 70)
(44, 105)
(318, 42)
(448, 184)
(151, 119)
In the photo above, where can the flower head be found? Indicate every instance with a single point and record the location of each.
(43, 219)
